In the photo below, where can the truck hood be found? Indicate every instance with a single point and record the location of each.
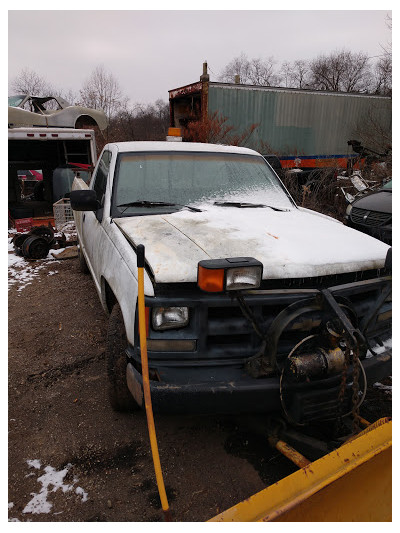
(290, 244)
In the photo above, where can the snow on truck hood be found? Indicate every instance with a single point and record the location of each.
(291, 244)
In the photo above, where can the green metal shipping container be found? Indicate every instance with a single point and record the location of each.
(289, 122)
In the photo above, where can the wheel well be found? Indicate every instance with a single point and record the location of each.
(85, 121)
(108, 296)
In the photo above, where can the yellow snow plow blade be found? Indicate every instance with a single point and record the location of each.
(351, 484)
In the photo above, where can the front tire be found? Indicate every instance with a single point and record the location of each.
(118, 392)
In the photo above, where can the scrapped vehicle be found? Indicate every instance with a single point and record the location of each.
(372, 213)
(252, 303)
(26, 110)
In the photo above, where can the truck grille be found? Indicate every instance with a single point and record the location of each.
(226, 338)
(369, 218)
(231, 335)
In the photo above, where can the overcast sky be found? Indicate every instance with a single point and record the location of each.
(150, 52)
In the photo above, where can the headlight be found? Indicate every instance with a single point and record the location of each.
(170, 318)
(243, 278)
(234, 273)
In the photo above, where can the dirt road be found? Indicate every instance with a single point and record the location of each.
(71, 458)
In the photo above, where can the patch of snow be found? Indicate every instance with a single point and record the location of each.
(317, 214)
(387, 344)
(22, 272)
(15, 260)
(67, 227)
(166, 146)
(39, 503)
(10, 505)
(56, 252)
(35, 463)
(386, 388)
(81, 492)
(291, 244)
(51, 481)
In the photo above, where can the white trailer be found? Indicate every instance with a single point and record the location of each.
(56, 155)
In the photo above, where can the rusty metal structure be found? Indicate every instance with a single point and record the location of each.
(313, 125)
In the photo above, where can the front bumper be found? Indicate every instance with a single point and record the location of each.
(247, 395)
(213, 377)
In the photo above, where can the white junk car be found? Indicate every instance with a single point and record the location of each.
(252, 303)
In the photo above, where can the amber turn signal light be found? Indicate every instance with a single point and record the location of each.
(210, 279)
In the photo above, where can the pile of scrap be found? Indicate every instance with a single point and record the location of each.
(36, 243)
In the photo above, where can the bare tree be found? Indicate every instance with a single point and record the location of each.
(341, 71)
(102, 91)
(383, 67)
(300, 73)
(357, 74)
(388, 48)
(261, 72)
(295, 74)
(69, 95)
(382, 76)
(286, 74)
(29, 82)
(256, 71)
(162, 110)
(373, 131)
(238, 66)
(140, 122)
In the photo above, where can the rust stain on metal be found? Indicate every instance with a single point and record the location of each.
(307, 469)
(289, 452)
(188, 89)
(270, 234)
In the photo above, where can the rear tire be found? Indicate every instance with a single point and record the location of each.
(118, 392)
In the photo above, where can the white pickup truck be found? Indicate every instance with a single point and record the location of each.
(252, 303)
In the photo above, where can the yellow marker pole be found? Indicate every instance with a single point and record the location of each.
(146, 385)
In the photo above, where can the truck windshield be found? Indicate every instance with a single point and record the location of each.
(193, 178)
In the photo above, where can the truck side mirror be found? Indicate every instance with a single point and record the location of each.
(84, 200)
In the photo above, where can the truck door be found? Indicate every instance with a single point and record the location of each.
(94, 238)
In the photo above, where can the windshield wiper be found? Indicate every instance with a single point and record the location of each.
(248, 204)
(148, 203)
